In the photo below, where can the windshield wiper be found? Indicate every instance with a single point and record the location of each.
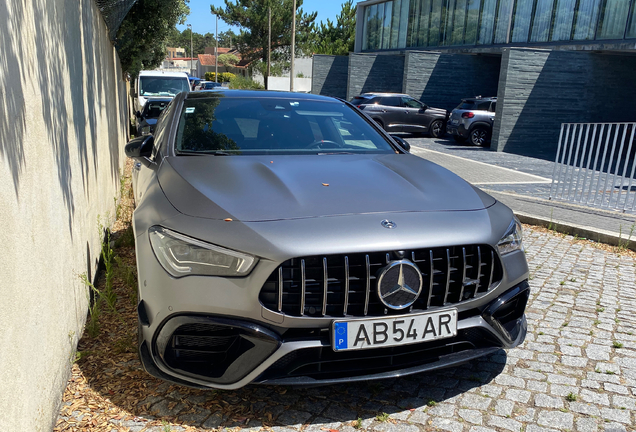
(203, 152)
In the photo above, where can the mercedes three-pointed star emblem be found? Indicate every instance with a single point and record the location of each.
(399, 284)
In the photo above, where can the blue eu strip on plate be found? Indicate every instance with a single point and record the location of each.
(340, 329)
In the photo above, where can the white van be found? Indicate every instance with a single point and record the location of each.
(158, 84)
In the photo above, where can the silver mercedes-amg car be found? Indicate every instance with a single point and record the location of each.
(285, 238)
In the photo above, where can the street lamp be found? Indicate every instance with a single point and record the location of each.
(191, 53)
(216, 51)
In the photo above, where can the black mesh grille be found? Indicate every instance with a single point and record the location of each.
(345, 285)
(324, 363)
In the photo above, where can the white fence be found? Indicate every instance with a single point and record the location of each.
(595, 165)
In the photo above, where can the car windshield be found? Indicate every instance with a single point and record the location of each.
(162, 86)
(251, 125)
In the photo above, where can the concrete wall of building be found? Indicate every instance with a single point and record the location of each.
(63, 123)
(442, 80)
(330, 75)
(540, 89)
(375, 73)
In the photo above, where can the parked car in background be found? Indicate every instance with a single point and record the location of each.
(194, 82)
(147, 117)
(158, 84)
(472, 120)
(207, 85)
(283, 238)
(396, 112)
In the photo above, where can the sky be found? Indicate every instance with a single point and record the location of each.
(203, 21)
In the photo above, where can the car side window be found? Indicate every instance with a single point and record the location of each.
(483, 106)
(160, 130)
(390, 101)
(411, 103)
(493, 107)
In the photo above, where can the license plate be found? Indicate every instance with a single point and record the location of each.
(387, 332)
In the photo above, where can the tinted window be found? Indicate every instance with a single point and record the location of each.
(243, 126)
(483, 106)
(162, 86)
(153, 109)
(391, 101)
(360, 100)
(493, 107)
(466, 105)
(411, 103)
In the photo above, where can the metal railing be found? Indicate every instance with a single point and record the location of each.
(595, 163)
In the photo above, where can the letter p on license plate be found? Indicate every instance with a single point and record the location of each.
(399, 330)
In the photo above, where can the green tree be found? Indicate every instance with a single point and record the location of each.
(141, 38)
(251, 17)
(227, 39)
(228, 59)
(338, 38)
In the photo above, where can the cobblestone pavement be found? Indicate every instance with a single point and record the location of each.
(576, 371)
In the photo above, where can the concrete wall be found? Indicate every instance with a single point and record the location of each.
(302, 85)
(330, 75)
(443, 80)
(375, 73)
(540, 89)
(63, 120)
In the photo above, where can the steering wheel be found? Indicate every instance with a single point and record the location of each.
(319, 144)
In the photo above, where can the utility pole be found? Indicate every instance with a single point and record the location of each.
(216, 51)
(191, 53)
(293, 46)
(269, 42)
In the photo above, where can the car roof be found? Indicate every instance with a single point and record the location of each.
(262, 94)
(162, 73)
(382, 94)
(476, 98)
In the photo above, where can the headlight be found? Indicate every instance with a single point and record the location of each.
(145, 130)
(511, 241)
(182, 256)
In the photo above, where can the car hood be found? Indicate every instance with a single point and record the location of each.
(266, 188)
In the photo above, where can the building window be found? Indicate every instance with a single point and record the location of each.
(563, 18)
(541, 21)
(487, 26)
(521, 21)
(586, 19)
(631, 31)
(472, 22)
(503, 21)
(614, 16)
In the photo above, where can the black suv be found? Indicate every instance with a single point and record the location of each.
(396, 112)
(472, 120)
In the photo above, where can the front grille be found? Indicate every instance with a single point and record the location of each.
(324, 363)
(345, 285)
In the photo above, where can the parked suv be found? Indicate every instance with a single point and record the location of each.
(396, 112)
(472, 120)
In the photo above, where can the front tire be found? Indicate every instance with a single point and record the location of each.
(436, 129)
(479, 136)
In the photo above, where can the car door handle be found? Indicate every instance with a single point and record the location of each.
(383, 110)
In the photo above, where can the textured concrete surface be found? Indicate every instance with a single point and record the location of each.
(63, 123)
(330, 75)
(375, 73)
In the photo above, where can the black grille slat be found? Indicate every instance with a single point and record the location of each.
(345, 285)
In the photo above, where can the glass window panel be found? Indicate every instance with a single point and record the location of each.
(380, 24)
(613, 19)
(563, 18)
(585, 21)
(404, 20)
(503, 21)
(414, 18)
(521, 21)
(447, 22)
(425, 12)
(386, 31)
(487, 25)
(459, 19)
(542, 20)
(631, 31)
(435, 24)
(395, 23)
(374, 28)
(472, 21)
(365, 28)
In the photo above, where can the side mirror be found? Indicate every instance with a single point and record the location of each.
(406, 146)
(424, 107)
(140, 149)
